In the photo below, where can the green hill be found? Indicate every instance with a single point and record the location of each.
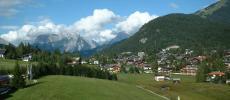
(186, 30)
(79, 88)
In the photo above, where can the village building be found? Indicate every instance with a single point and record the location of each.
(226, 61)
(83, 62)
(146, 68)
(227, 81)
(96, 62)
(213, 75)
(27, 57)
(74, 61)
(116, 68)
(141, 54)
(216, 73)
(164, 70)
(159, 78)
(113, 68)
(189, 70)
(200, 58)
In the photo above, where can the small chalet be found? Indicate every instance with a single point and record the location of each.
(113, 68)
(227, 61)
(141, 55)
(159, 78)
(217, 73)
(116, 68)
(200, 58)
(189, 70)
(164, 70)
(2, 52)
(74, 61)
(27, 57)
(146, 67)
(96, 62)
(226, 52)
(215, 76)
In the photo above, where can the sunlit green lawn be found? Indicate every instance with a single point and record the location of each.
(188, 89)
(80, 88)
(9, 64)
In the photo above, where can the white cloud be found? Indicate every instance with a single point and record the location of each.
(106, 35)
(29, 32)
(99, 18)
(93, 27)
(10, 36)
(134, 22)
(174, 5)
(10, 7)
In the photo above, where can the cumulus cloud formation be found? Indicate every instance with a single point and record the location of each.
(93, 27)
(134, 22)
(107, 35)
(99, 18)
(9, 7)
(30, 32)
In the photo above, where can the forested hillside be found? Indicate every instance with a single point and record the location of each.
(204, 30)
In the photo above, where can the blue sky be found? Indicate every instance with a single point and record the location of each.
(16, 13)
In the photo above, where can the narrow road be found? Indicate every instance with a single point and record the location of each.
(152, 92)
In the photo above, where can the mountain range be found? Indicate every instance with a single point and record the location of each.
(74, 43)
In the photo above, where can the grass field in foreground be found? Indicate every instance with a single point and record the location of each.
(79, 88)
(188, 89)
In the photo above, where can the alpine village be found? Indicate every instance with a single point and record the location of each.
(172, 57)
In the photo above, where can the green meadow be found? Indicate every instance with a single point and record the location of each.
(188, 89)
(10, 64)
(80, 88)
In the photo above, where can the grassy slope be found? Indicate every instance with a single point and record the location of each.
(187, 90)
(78, 88)
(9, 64)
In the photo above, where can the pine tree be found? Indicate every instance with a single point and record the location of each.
(202, 72)
(18, 80)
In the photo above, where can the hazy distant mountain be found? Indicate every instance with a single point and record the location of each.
(3, 42)
(71, 43)
(120, 36)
